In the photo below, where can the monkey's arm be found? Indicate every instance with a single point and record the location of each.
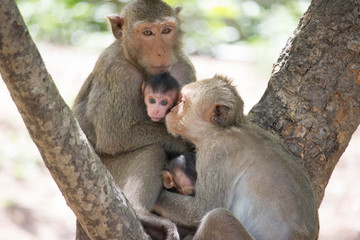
(211, 186)
(179, 208)
(188, 210)
(139, 135)
(114, 119)
(121, 124)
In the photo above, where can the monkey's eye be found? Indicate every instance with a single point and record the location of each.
(148, 33)
(164, 102)
(152, 100)
(166, 31)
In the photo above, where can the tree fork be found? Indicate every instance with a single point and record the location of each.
(312, 103)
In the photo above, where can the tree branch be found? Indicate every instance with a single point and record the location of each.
(313, 98)
(88, 188)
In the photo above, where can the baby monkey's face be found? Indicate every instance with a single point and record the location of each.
(159, 104)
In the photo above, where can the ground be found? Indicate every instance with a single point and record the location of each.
(32, 207)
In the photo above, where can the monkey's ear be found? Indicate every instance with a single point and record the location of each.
(178, 9)
(219, 114)
(167, 180)
(143, 87)
(117, 23)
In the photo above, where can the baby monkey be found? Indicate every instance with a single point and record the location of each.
(160, 95)
(180, 174)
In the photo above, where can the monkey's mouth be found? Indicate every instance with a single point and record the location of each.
(170, 126)
(157, 119)
(161, 69)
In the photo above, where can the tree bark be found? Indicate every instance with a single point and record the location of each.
(313, 98)
(88, 188)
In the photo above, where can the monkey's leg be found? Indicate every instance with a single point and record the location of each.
(138, 174)
(219, 224)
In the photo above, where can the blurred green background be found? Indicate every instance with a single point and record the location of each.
(262, 25)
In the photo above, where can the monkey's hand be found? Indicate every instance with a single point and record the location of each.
(152, 220)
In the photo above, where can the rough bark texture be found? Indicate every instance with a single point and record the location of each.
(313, 98)
(85, 183)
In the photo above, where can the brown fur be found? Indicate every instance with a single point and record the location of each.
(110, 107)
(240, 168)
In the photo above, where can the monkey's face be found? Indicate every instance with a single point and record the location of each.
(186, 118)
(174, 119)
(158, 104)
(205, 107)
(154, 45)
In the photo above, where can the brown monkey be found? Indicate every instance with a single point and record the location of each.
(180, 174)
(160, 95)
(241, 169)
(111, 111)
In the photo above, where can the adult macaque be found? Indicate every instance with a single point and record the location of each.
(110, 107)
(243, 172)
(160, 95)
(180, 174)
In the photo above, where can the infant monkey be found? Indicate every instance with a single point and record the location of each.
(180, 174)
(160, 95)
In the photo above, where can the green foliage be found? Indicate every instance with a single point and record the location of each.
(206, 23)
(68, 21)
(232, 21)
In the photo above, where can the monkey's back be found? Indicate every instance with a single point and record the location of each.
(270, 193)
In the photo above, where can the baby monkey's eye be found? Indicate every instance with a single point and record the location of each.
(152, 100)
(164, 102)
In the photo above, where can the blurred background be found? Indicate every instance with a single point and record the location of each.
(237, 38)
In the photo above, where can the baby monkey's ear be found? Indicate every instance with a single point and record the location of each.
(168, 180)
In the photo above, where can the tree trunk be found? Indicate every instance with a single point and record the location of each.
(313, 98)
(312, 103)
(88, 188)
